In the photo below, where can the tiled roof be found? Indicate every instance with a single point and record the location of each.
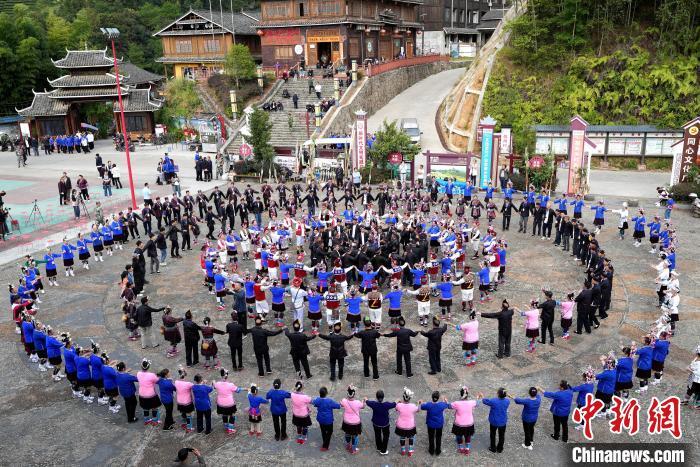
(609, 129)
(242, 24)
(44, 106)
(85, 59)
(139, 100)
(134, 75)
(488, 25)
(86, 92)
(460, 31)
(336, 20)
(492, 14)
(75, 81)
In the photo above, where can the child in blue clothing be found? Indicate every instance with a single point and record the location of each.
(254, 412)
(584, 389)
(324, 415)
(278, 408)
(531, 407)
(435, 421)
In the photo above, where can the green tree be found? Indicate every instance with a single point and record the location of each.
(239, 64)
(260, 133)
(390, 139)
(181, 100)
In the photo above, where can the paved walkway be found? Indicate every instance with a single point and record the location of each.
(43, 424)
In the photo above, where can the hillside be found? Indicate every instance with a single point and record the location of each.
(611, 61)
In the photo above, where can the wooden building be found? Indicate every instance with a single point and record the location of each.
(314, 32)
(196, 43)
(90, 78)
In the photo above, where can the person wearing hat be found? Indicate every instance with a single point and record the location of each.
(337, 352)
(260, 346)
(403, 347)
(299, 349)
(435, 345)
(183, 457)
(422, 294)
(369, 336)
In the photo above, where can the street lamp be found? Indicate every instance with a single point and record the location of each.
(111, 34)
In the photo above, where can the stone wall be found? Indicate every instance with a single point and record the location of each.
(379, 90)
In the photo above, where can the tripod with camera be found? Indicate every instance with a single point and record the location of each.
(35, 214)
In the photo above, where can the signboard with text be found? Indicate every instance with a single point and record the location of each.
(360, 139)
(576, 149)
(689, 157)
(486, 153)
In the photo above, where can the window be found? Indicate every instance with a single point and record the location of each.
(301, 9)
(284, 53)
(446, 15)
(354, 43)
(212, 45)
(276, 10)
(183, 47)
(461, 16)
(329, 8)
(135, 123)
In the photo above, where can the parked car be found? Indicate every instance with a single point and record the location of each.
(411, 128)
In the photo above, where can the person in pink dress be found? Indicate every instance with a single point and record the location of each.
(406, 422)
(567, 313)
(225, 402)
(470, 340)
(352, 425)
(463, 426)
(532, 325)
(183, 397)
(148, 399)
(301, 417)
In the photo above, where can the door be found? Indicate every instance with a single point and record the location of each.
(335, 51)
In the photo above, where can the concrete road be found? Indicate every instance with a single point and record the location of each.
(420, 101)
(631, 183)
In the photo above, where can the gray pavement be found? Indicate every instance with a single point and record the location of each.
(627, 183)
(44, 425)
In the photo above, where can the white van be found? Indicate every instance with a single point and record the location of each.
(411, 128)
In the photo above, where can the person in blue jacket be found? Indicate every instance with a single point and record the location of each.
(380, 421)
(578, 204)
(51, 272)
(202, 404)
(658, 356)
(531, 408)
(644, 364)
(623, 376)
(126, 382)
(68, 257)
(82, 364)
(53, 353)
(83, 250)
(560, 408)
(28, 338)
(435, 421)
(254, 412)
(39, 338)
(109, 378)
(71, 370)
(640, 223)
(599, 218)
(96, 364)
(166, 388)
(606, 385)
(324, 415)
(583, 389)
(498, 418)
(278, 408)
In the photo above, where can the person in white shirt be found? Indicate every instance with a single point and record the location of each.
(91, 140)
(146, 192)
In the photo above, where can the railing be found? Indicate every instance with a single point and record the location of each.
(374, 70)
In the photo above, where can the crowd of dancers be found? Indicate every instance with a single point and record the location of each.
(419, 242)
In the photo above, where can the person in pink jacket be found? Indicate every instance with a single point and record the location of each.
(225, 402)
(406, 422)
(301, 418)
(183, 397)
(352, 425)
(470, 340)
(532, 325)
(567, 313)
(463, 426)
(148, 399)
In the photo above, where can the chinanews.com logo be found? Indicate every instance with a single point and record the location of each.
(627, 454)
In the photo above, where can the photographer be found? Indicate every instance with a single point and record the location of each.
(183, 457)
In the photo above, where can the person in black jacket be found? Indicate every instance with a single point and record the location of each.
(152, 253)
(548, 217)
(547, 317)
(299, 349)
(239, 305)
(337, 352)
(191, 331)
(507, 211)
(524, 210)
(505, 328)
(145, 322)
(583, 303)
(138, 262)
(595, 301)
(235, 332)
(260, 347)
(368, 348)
(537, 217)
(403, 346)
(435, 345)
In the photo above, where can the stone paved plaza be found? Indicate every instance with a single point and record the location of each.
(43, 424)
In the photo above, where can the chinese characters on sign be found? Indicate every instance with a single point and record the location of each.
(361, 139)
(662, 416)
(691, 137)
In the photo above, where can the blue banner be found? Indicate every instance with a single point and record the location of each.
(486, 152)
